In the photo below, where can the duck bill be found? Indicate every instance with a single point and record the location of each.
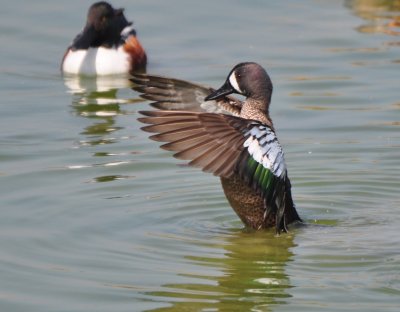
(221, 92)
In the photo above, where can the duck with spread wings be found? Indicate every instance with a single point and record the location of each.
(232, 139)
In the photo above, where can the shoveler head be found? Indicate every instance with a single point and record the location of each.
(106, 45)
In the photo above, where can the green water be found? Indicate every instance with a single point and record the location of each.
(95, 217)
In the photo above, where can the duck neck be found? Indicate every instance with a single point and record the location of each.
(256, 110)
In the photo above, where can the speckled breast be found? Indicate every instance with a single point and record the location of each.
(247, 204)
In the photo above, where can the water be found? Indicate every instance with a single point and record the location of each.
(95, 217)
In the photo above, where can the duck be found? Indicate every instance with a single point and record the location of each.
(233, 139)
(107, 45)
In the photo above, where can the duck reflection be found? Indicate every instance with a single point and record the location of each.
(97, 98)
(253, 278)
(382, 16)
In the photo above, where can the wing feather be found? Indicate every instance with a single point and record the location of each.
(180, 95)
(225, 145)
(210, 141)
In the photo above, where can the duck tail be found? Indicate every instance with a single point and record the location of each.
(291, 214)
(286, 212)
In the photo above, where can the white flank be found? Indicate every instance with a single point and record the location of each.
(97, 61)
(234, 83)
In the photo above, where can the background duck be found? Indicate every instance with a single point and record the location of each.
(107, 45)
(233, 139)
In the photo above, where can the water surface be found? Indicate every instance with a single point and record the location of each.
(95, 217)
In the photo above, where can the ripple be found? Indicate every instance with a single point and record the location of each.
(95, 216)
(110, 178)
(107, 164)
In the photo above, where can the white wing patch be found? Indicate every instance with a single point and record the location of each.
(262, 144)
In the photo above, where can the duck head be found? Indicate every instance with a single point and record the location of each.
(103, 27)
(248, 79)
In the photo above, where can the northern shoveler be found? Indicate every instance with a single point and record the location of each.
(107, 45)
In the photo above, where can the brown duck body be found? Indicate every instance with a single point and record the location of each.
(242, 150)
(250, 207)
(248, 204)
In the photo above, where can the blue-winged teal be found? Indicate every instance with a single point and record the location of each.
(233, 139)
(107, 45)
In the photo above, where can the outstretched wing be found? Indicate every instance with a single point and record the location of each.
(227, 145)
(212, 142)
(175, 94)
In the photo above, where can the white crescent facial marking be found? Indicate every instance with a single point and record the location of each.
(234, 83)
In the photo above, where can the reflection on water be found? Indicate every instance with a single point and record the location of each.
(91, 85)
(382, 16)
(253, 273)
(98, 99)
(110, 178)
